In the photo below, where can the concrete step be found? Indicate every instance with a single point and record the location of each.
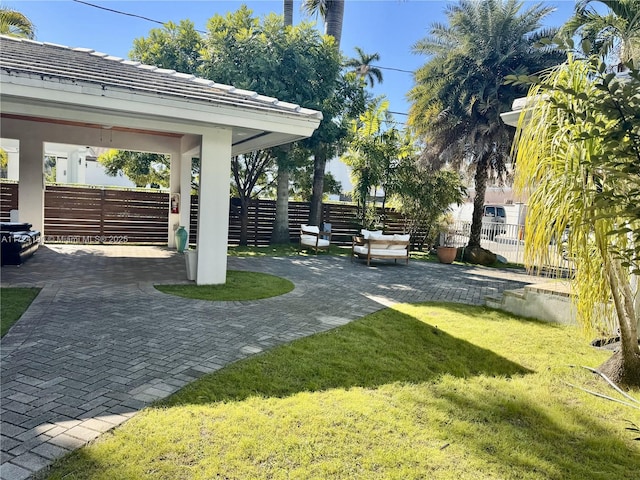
(493, 301)
(517, 293)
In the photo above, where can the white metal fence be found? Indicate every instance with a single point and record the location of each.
(501, 238)
(507, 240)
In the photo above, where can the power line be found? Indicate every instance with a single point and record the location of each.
(394, 69)
(119, 12)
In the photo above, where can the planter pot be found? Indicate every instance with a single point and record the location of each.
(447, 254)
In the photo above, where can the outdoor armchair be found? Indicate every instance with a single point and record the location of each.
(312, 237)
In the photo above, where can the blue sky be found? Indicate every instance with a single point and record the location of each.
(388, 27)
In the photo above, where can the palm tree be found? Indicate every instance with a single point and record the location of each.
(585, 176)
(331, 11)
(15, 24)
(616, 32)
(459, 94)
(280, 232)
(363, 68)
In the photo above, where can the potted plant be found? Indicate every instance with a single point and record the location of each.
(447, 250)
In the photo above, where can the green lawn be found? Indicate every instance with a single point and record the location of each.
(13, 303)
(417, 392)
(240, 286)
(284, 250)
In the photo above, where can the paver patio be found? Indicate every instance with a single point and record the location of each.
(100, 342)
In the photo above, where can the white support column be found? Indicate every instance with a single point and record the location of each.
(185, 193)
(31, 183)
(213, 208)
(174, 188)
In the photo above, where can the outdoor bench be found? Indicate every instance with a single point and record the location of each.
(375, 245)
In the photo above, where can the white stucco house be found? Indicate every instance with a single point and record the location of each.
(57, 94)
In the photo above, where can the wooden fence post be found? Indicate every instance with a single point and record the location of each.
(102, 212)
(256, 218)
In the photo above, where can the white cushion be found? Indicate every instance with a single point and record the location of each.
(400, 238)
(379, 252)
(310, 228)
(380, 236)
(366, 233)
(381, 240)
(311, 241)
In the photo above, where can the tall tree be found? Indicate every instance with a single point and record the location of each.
(361, 65)
(615, 32)
(281, 222)
(249, 172)
(16, 24)
(294, 64)
(332, 12)
(459, 94)
(578, 154)
(347, 101)
(375, 149)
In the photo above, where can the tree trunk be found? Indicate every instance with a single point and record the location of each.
(478, 203)
(333, 20)
(623, 367)
(288, 12)
(319, 165)
(280, 232)
(384, 210)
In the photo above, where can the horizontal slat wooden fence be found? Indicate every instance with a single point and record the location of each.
(96, 215)
(8, 199)
(105, 215)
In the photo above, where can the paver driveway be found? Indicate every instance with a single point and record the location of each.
(99, 342)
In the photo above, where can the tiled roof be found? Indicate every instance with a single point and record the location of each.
(20, 57)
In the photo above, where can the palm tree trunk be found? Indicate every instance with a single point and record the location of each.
(624, 366)
(478, 202)
(317, 191)
(288, 12)
(333, 20)
(280, 232)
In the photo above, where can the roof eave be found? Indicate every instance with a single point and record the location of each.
(39, 93)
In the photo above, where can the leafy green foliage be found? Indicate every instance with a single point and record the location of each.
(294, 64)
(578, 151)
(301, 185)
(143, 169)
(4, 163)
(375, 150)
(613, 34)
(425, 197)
(175, 47)
(15, 24)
